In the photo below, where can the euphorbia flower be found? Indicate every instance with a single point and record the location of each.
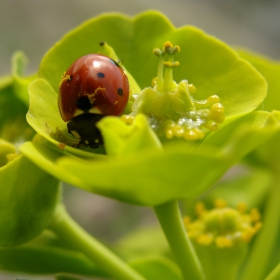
(205, 62)
(221, 237)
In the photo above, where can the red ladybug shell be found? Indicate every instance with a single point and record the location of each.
(93, 84)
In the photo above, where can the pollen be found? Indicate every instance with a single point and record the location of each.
(127, 119)
(223, 226)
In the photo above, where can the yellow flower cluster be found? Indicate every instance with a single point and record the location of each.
(223, 226)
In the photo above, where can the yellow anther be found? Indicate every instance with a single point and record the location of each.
(199, 208)
(154, 81)
(220, 203)
(205, 239)
(191, 135)
(169, 134)
(223, 242)
(213, 99)
(218, 107)
(212, 126)
(168, 47)
(157, 52)
(191, 88)
(178, 130)
(255, 215)
(127, 119)
(199, 133)
(241, 207)
(176, 49)
(217, 113)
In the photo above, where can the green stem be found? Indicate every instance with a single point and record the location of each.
(266, 239)
(171, 222)
(77, 238)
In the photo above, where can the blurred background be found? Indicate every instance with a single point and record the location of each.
(33, 26)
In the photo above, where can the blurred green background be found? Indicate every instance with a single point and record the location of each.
(33, 26)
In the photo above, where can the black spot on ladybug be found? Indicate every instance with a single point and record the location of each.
(100, 75)
(69, 78)
(83, 103)
(120, 91)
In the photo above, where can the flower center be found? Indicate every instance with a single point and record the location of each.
(172, 110)
(223, 225)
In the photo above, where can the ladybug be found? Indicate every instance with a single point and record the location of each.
(93, 87)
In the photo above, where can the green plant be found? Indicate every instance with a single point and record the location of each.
(178, 135)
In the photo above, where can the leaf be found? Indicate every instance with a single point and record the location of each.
(45, 260)
(27, 201)
(20, 83)
(270, 69)
(245, 134)
(150, 178)
(156, 268)
(249, 188)
(143, 242)
(209, 64)
(13, 125)
(274, 274)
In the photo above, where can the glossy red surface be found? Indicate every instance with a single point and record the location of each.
(99, 78)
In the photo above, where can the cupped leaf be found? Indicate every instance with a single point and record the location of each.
(209, 64)
(27, 203)
(157, 176)
(245, 134)
(151, 178)
(157, 268)
(270, 69)
(122, 139)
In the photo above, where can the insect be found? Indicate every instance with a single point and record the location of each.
(93, 87)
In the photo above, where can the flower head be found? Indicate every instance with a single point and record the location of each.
(223, 226)
(171, 107)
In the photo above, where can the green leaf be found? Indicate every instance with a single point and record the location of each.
(13, 126)
(143, 242)
(150, 178)
(274, 274)
(156, 268)
(45, 260)
(209, 64)
(27, 202)
(249, 187)
(243, 135)
(270, 69)
(122, 139)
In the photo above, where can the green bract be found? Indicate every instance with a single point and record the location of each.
(27, 203)
(138, 169)
(269, 152)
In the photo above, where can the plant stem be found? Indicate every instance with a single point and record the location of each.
(77, 238)
(171, 222)
(265, 241)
